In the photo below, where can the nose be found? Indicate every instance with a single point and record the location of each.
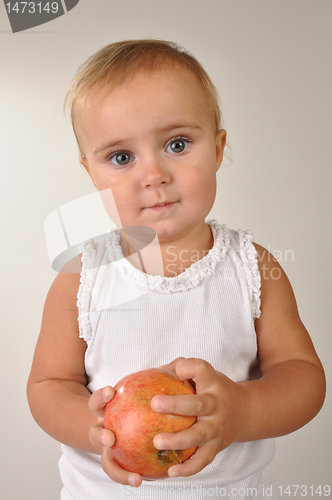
(154, 171)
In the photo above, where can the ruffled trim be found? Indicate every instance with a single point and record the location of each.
(252, 274)
(190, 278)
(113, 245)
(84, 291)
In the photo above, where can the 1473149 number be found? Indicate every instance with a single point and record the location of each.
(302, 490)
(32, 7)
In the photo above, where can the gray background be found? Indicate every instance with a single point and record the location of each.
(271, 61)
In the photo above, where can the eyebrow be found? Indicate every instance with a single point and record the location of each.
(168, 128)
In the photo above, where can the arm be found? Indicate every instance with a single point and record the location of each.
(293, 380)
(58, 397)
(57, 393)
(289, 394)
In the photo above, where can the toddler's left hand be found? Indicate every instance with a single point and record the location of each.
(220, 406)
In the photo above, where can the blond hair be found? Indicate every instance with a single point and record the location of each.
(118, 62)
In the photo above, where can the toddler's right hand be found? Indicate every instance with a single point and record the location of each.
(101, 437)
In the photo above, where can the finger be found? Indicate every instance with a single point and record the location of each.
(183, 440)
(195, 405)
(98, 400)
(199, 370)
(202, 457)
(99, 436)
(197, 435)
(171, 366)
(116, 472)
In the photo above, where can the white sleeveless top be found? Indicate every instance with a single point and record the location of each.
(132, 321)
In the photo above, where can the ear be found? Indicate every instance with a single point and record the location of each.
(84, 162)
(85, 165)
(220, 146)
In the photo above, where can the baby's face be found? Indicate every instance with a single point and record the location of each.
(153, 142)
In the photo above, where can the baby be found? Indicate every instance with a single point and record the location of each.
(149, 128)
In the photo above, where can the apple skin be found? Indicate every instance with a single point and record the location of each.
(130, 417)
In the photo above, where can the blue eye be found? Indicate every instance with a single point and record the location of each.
(121, 158)
(177, 145)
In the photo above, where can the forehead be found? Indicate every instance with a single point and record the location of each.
(146, 96)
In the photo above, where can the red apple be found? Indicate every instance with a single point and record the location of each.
(130, 417)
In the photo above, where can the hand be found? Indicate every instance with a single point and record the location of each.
(101, 437)
(220, 406)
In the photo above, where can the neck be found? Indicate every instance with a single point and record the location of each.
(184, 252)
(170, 258)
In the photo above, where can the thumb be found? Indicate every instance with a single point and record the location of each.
(99, 399)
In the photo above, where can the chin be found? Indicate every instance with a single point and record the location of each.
(165, 229)
(171, 230)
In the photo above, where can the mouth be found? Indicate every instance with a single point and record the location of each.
(162, 206)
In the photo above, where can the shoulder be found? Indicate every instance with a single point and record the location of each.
(281, 335)
(270, 291)
(242, 241)
(59, 351)
(243, 255)
(61, 299)
(103, 249)
(276, 289)
(273, 277)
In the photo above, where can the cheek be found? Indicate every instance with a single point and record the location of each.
(103, 179)
(202, 179)
(115, 197)
(126, 203)
(207, 191)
